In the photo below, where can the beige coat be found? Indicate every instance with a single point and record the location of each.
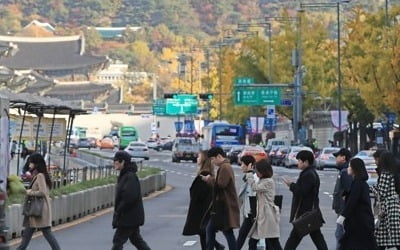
(39, 188)
(268, 217)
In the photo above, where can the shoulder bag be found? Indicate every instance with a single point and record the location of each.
(309, 221)
(278, 198)
(33, 205)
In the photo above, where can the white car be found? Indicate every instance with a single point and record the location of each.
(153, 144)
(326, 159)
(290, 158)
(138, 150)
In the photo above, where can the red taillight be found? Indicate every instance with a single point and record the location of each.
(2, 198)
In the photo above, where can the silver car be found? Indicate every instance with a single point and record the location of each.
(326, 159)
(138, 150)
(367, 156)
(290, 158)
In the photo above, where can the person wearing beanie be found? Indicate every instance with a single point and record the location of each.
(128, 207)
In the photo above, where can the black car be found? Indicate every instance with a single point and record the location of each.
(234, 152)
(167, 145)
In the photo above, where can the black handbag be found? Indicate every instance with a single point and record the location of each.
(308, 222)
(278, 200)
(33, 206)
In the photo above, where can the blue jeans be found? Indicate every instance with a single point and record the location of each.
(339, 235)
(210, 234)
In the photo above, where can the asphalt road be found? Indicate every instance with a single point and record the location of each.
(166, 213)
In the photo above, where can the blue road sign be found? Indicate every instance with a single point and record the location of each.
(286, 102)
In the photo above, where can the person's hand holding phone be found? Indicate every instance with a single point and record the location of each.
(250, 167)
(287, 180)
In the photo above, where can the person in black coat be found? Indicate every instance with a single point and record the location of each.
(342, 185)
(128, 207)
(305, 197)
(200, 200)
(357, 216)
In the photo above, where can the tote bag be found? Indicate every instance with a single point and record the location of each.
(33, 206)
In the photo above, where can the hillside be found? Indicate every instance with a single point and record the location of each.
(183, 17)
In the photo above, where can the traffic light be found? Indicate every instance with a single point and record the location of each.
(206, 96)
(169, 95)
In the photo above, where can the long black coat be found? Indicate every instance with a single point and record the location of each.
(359, 222)
(200, 199)
(128, 207)
(305, 193)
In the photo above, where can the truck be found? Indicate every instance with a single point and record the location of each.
(185, 148)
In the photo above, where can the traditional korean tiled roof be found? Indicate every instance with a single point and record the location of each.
(86, 91)
(49, 53)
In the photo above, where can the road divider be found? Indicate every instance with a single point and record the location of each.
(66, 208)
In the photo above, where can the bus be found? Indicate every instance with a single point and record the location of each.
(77, 133)
(126, 135)
(222, 134)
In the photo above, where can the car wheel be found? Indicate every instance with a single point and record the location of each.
(178, 160)
(146, 158)
(194, 160)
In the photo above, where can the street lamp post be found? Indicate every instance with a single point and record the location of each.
(339, 72)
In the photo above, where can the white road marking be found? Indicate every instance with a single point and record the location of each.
(189, 243)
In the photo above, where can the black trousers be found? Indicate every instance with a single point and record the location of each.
(244, 231)
(316, 236)
(122, 234)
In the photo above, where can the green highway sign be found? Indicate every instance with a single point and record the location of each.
(248, 96)
(182, 104)
(244, 80)
(159, 107)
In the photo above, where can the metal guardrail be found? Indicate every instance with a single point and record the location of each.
(79, 175)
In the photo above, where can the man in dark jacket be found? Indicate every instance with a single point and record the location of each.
(128, 207)
(305, 198)
(342, 187)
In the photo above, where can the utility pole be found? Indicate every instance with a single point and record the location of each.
(298, 78)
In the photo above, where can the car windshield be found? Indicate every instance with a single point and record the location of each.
(365, 153)
(185, 141)
(330, 151)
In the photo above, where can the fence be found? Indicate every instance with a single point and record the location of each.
(78, 175)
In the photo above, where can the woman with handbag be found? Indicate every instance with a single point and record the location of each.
(200, 200)
(266, 225)
(387, 188)
(39, 187)
(356, 216)
(305, 199)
